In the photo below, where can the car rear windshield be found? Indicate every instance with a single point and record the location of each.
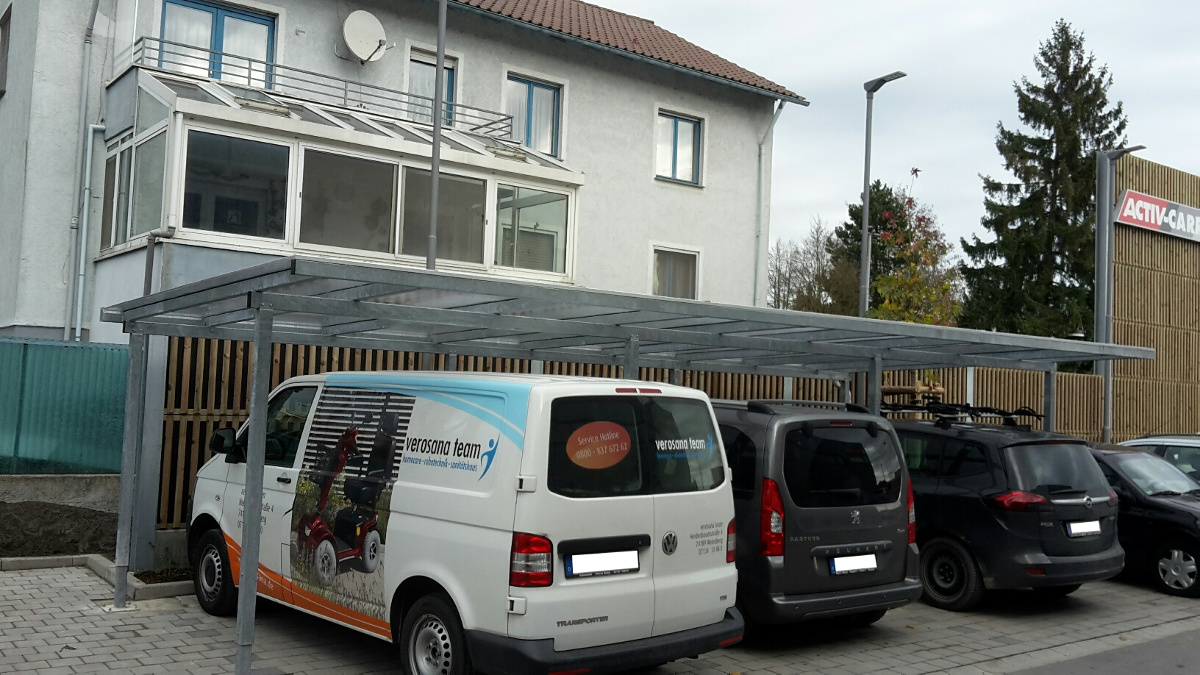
(841, 466)
(610, 446)
(1050, 469)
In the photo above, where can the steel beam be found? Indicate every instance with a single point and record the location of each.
(135, 402)
(256, 435)
(875, 386)
(1049, 392)
(631, 359)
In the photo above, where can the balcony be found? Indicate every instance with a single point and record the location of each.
(274, 78)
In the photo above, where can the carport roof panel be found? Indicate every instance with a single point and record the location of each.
(354, 305)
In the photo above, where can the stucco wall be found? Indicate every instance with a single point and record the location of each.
(610, 104)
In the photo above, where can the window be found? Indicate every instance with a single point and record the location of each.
(742, 457)
(677, 155)
(135, 175)
(675, 274)
(4, 39)
(608, 446)
(348, 202)
(841, 466)
(922, 454)
(422, 71)
(287, 414)
(1054, 468)
(536, 111)
(533, 229)
(235, 186)
(245, 41)
(964, 459)
(461, 204)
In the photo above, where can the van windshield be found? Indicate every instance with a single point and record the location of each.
(841, 466)
(1052, 469)
(610, 446)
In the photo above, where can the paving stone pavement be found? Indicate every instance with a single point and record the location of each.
(52, 621)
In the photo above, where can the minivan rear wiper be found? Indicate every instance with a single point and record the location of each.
(1165, 493)
(1064, 489)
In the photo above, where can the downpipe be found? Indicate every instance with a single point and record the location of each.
(84, 144)
(760, 212)
(84, 220)
(152, 238)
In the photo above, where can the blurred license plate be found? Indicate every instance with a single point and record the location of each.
(1083, 528)
(598, 564)
(853, 563)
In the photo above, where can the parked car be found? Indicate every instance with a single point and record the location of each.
(1159, 517)
(824, 512)
(1006, 507)
(500, 523)
(1181, 450)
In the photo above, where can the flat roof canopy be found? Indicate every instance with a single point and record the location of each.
(364, 306)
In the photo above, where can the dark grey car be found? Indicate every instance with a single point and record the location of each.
(824, 511)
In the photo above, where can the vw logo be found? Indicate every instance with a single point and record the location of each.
(670, 543)
(855, 517)
(1087, 501)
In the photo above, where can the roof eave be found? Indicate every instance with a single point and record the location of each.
(797, 99)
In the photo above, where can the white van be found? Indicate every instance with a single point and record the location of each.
(499, 523)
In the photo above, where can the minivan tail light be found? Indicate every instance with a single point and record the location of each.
(912, 516)
(731, 541)
(1021, 501)
(771, 525)
(1112, 496)
(532, 561)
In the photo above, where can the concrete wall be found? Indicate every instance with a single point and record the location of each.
(39, 123)
(610, 104)
(101, 492)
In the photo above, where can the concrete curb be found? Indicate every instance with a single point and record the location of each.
(103, 568)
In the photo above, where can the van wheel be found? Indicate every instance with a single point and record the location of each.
(211, 576)
(1175, 569)
(432, 640)
(325, 562)
(949, 575)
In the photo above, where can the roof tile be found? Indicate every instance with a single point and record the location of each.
(627, 33)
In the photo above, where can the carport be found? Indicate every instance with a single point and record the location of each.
(305, 301)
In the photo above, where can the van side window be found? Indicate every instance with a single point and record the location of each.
(742, 456)
(287, 414)
(966, 464)
(922, 454)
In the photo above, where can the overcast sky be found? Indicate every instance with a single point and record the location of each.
(962, 59)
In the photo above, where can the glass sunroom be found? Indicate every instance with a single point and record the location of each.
(280, 161)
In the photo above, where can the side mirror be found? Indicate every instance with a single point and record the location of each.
(221, 441)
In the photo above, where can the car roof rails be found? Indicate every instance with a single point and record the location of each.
(767, 405)
(951, 413)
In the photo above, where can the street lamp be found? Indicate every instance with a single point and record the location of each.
(1106, 161)
(864, 275)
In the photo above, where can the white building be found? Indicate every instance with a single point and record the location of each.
(584, 146)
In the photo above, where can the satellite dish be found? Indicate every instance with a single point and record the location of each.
(364, 36)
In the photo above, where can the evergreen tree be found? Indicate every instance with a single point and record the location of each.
(889, 212)
(1036, 277)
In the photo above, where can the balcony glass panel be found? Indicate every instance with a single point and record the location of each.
(348, 202)
(149, 170)
(235, 186)
(461, 205)
(150, 111)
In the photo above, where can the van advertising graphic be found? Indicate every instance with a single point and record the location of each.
(598, 445)
(1152, 213)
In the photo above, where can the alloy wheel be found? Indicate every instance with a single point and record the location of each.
(1177, 569)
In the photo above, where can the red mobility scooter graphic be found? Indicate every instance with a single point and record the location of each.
(354, 540)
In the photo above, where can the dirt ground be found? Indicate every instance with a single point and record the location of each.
(39, 528)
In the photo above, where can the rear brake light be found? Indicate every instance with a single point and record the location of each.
(912, 516)
(644, 390)
(1021, 501)
(626, 390)
(731, 541)
(771, 524)
(532, 561)
(841, 423)
(1112, 496)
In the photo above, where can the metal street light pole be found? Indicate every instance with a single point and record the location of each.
(1106, 163)
(439, 95)
(864, 274)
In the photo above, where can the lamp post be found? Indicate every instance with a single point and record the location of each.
(1106, 161)
(864, 275)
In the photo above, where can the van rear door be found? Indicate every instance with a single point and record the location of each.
(845, 520)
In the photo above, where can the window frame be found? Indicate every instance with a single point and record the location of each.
(697, 253)
(493, 234)
(698, 145)
(216, 40)
(453, 63)
(531, 80)
(5, 47)
(131, 141)
(293, 236)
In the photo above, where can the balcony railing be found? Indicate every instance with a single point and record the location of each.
(275, 78)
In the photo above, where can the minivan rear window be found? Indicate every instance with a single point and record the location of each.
(611, 446)
(841, 466)
(1055, 468)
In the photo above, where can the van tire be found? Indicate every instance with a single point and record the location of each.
(432, 641)
(212, 576)
(950, 576)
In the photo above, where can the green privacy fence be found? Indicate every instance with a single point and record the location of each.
(62, 406)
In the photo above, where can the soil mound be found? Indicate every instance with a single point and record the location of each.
(40, 528)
